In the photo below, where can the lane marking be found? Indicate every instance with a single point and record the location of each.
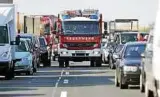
(63, 94)
(65, 81)
(56, 85)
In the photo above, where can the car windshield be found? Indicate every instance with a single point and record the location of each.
(4, 34)
(134, 50)
(21, 47)
(81, 27)
(128, 37)
(42, 42)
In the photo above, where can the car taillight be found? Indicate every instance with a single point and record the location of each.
(63, 45)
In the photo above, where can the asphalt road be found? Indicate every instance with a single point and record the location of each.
(79, 80)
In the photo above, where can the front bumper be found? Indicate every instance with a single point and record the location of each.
(22, 68)
(80, 55)
(131, 78)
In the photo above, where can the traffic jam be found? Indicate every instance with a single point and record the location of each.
(77, 35)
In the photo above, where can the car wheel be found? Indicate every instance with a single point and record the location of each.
(30, 72)
(141, 85)
(9, 75)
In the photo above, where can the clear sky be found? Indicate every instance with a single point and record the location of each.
(144, 10)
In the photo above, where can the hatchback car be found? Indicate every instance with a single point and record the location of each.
(23, 53)
(128, 67)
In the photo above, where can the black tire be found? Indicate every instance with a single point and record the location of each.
(54, 58)
(29, 72)
(61, 64)
(9, 75)
(98, 63)
(92, 63)
(67, 63)
(49, 62)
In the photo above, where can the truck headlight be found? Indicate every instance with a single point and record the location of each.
(64, 52)
(96, 52)
(5, 54)
(129, 68)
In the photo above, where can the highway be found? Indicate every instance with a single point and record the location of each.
(79, 80)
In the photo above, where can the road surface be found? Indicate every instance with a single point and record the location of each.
(75, 81)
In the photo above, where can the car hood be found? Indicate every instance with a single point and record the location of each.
(20, 55)
(132, 61)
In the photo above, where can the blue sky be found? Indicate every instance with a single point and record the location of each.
(144, 10)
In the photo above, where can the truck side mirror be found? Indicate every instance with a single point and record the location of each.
(17, 39)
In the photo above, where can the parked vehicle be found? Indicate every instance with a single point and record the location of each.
(44, 53)
(146, 63)
(23, 53)
(35, 49)
(128, 65)
(8, 40)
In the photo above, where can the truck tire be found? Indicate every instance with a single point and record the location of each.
(67, 63)
(53, 58)
(9, 74)
(98, 63)
(61, 63)
(48, 62)
(92, 63)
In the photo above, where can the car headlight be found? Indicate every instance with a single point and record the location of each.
(5, 54)
(129, 68)
(25, 59)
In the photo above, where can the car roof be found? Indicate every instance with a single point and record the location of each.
(136, 43)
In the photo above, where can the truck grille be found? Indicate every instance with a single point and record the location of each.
(80, 54)
(80, 44)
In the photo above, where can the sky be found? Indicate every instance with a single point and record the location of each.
(144, 10)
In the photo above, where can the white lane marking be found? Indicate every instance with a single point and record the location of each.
(63, 94)
(65, 81)
(56, 85)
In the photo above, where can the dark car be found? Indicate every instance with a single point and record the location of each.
(35, 49)
(44, 54)
(128, 65)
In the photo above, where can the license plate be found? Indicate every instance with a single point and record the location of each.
(80, 51)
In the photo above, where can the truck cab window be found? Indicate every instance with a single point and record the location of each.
(4, 34)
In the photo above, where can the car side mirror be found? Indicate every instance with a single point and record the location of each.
(17, 39)
(142, 55)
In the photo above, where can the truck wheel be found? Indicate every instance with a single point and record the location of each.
(9, 75)
(116, 80)
(61, 63)
(98, 63)
(54, 58)
(67, 63)
(92, 63)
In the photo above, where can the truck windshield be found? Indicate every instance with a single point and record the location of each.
(128, 37)
(4, 34)
(81, 27)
